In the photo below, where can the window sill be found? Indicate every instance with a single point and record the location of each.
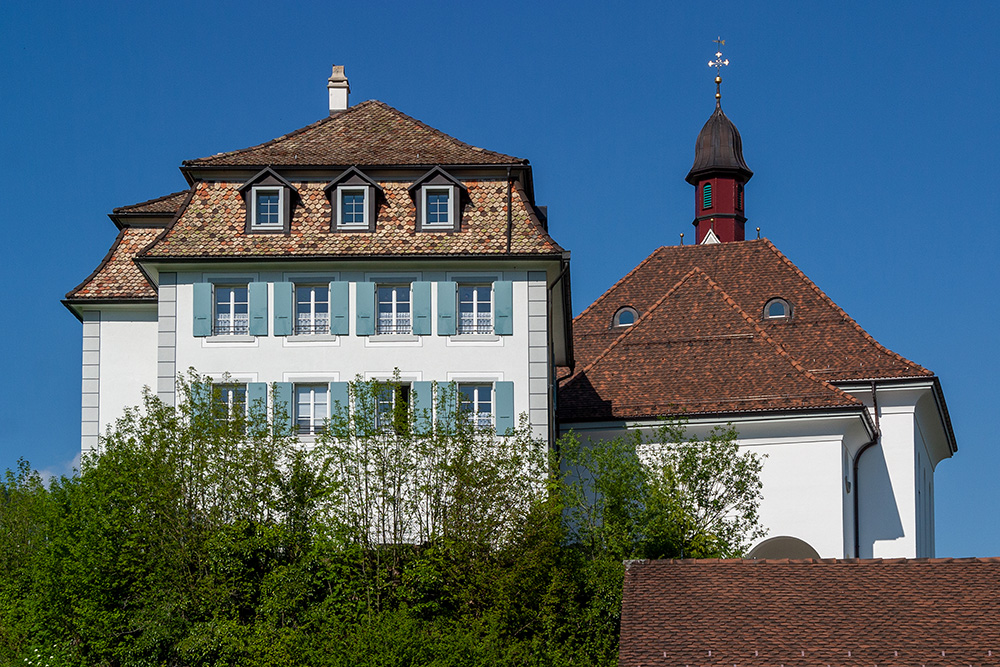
(411, 340)
(477, 338)
(230, 340)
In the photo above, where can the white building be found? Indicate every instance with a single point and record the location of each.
(368, 242)
(730, 331)
(361, 244)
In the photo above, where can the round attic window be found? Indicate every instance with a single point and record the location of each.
(777, 309)
(625, 317)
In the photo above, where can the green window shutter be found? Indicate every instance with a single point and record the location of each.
(447, 405)
(340, 399)
(203, 309)
(340, 309)
(201, 399)
(505, 406)
(284, 308)
(420, 292)
(706, 196)
(503, 308)
(257, 399)
(364, 296)
(446, 308)
(257, 293)
(284, 408)
(422, 404)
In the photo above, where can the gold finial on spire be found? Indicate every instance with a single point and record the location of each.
(718, 64)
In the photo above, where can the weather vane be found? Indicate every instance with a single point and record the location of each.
(718, 64)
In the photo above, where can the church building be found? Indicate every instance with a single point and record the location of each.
(368, 242)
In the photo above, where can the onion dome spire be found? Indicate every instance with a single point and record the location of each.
(719, 172)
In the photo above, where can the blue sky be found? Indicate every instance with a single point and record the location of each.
(871, 131)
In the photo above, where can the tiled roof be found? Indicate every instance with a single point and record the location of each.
(693, 351)
(367, 134)
(118, 276)
(213, 225)
(167, 204)
(836, 613)
(820, 337)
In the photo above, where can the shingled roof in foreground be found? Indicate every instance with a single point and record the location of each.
(798, 613)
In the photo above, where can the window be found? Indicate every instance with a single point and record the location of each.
(352, 208)
(230, 402)
(739, 196)
(232, 311)
(312, 309)
(312, 405)
(438, 207)
(393, 309)
(777, 309)
(706, 195)
(625, 317)
(475, 309)
(476, 402)
(268, 204)
(392, 407)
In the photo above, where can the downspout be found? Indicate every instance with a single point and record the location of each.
(553, 431)
(854, 474)
(510, 213)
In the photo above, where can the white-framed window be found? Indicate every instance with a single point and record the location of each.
(476, 402)
(438, 207)
(353, 207)
(625, 317)
(232, 310)
(312, 406)
(475, 309)
(393, 303)
(312, 309)
(392, 407)
(267, 205)
(230, 400)
(777, 309)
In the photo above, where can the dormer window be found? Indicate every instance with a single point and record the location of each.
(625, 317)
(437, 197)
(267, 206)
(777, 309)
(352, 200)
(268, 198)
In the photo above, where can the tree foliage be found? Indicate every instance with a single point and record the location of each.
(205, 534)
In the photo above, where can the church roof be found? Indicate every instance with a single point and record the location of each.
(370, 133)
(682, 332)
(843, 613)
(718, 148)
(694, 327)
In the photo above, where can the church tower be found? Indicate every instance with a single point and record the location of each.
(719, 174)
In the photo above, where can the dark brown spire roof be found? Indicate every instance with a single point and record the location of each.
(371, 133)
(718, 148)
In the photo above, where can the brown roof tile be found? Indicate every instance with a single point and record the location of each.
(368, 134)
(820, 337)
(213, 225)
(841, 613)
(693, 351)
(118, 276)
(167, 204)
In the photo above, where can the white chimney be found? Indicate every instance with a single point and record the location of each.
(339, 89)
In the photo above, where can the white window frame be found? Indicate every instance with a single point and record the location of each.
(475, 416)
(232, 310)
(354, 189)
(228, 391)
(402, 388)
(314, 328)
(263, 189)
(425, 193)
(476, 325)
(394, 325)
(316, 421)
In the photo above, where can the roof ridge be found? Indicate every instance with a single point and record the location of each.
(823, 295)
(276, 139)
(608, 291)
(169, 226)
(120, 209)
